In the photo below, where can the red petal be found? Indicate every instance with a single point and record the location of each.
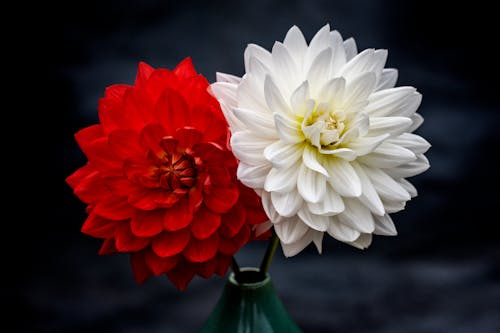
(220, 176)
(149, 199)
(201, 250)
(114, 208)
(74, 179)
(92, 188)
(178, 216)
(185, 69)
(151, 137)
(116, 92)
(159, 265)
(220, 199)
(172, 111)
(158, 81)
(207, 269)
(144, 71)
(85, 137)
(125, 143)
(171, 243)
(99, 227)
(195, 199)
(213, 155)
(181, 275)
(141, 171)
(103, 159)
(108, 247)
(205, 223)
(125, 241)
(187, 137)
(232, 221)
(139, 267)
(223, 263)
(231, 245)
(213, 126)
(147, 223)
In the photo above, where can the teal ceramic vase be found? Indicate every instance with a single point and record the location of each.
(249, 305)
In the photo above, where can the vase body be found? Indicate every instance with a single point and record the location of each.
(251, 306)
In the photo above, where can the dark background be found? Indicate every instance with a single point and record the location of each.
(441, 274)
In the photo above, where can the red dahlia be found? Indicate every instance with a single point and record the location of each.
(160, 182)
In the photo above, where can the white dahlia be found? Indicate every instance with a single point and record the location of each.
(324, 137)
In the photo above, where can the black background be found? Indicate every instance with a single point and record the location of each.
(440, 274)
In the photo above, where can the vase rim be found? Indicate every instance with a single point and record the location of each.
(250, 285)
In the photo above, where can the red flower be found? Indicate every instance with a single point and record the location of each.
(160, 182)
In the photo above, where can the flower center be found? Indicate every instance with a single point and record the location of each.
(177, 172)
(324, 126)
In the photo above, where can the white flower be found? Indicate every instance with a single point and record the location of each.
(324, 137)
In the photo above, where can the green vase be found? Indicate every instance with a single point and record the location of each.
(249, 305)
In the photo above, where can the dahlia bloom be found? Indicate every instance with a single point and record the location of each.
(324, 137)
(160, 182)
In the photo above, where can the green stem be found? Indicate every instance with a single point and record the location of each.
(268, 256)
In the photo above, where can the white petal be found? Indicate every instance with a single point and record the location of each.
(253, 176)
(363, 241)
(338, 54)
(343, 177)
(299, 99)
(379, 59)
(411, 169)
(394, 206)
(282, 154)
(358, 89)
(391, 102)
(285, 72)
(288, 130)
(262, 123)
(267, 204)
(226, 91)
(313, 132)
(417, 121)
(289, 250)
(317, 239)
(392, 125)
(333, 91)
(274, 99)
(287, 204)
(250, 93)
(310, 157)
(319, 71)
(331, 204)
(388, 155)
(296, 43)
(351, 50)
(369, 197)
(411, 141)
(361, 63)
(387, 79)
(384, 226)
(223, 77)
(282, 180)
(409, 187)
(343, 153)
(290, 230)
(316, 222)
(341, 232)
(261, 228)
(367, 144)
(357, 216)
(235, 124)
(361, 121)
(386, 186)
(248, 148)
(258, 52)
(311, 184)
(319, 42)
(258, 69)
